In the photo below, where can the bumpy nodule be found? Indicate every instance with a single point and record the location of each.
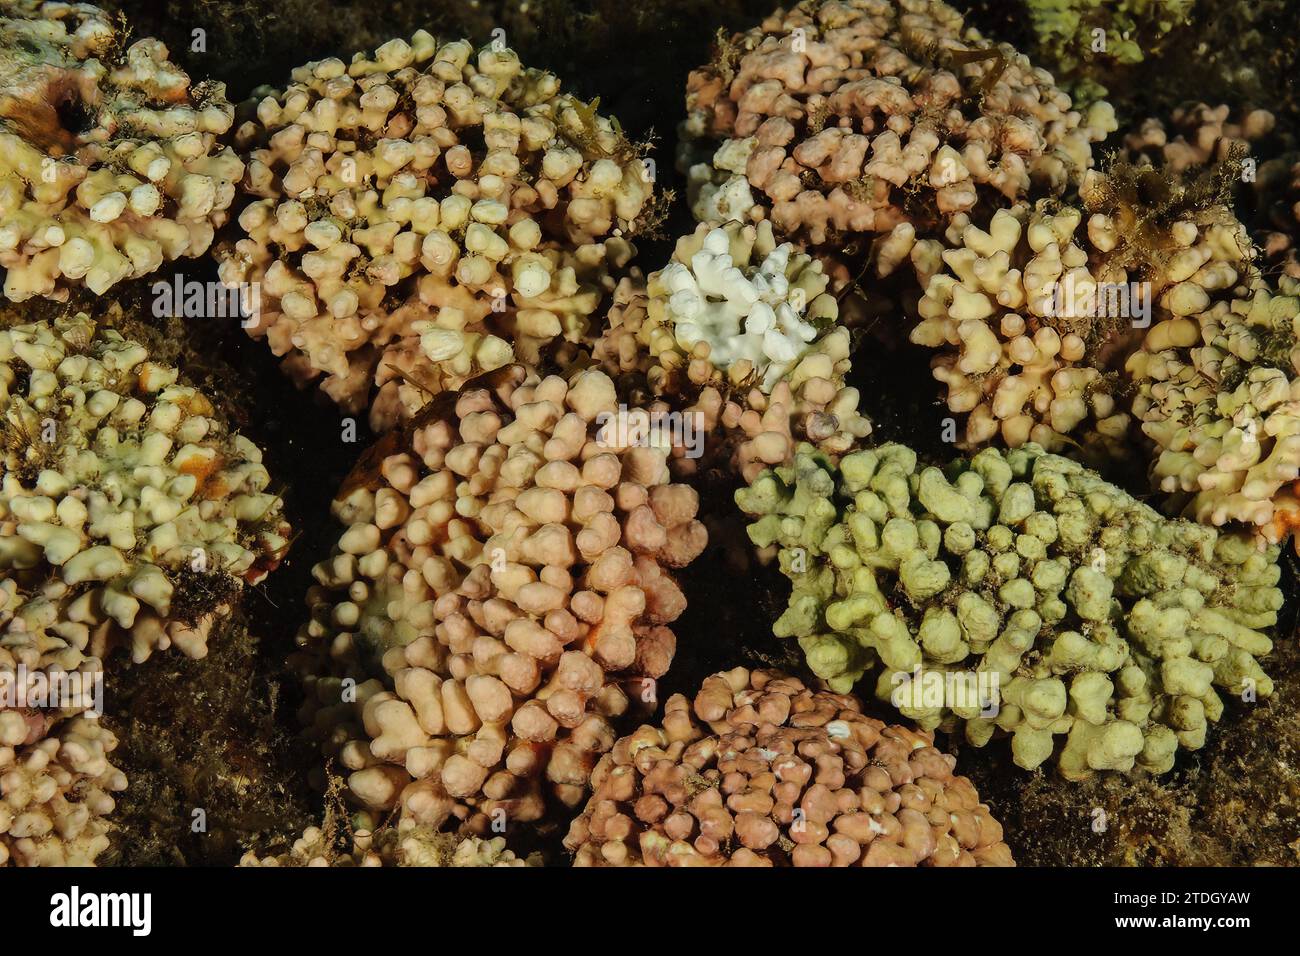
(407, 845)
(760, 770)
(110, 163)
(128, 515)
(1218, 392)
(737, 336)
(1034, 314)
(1048, 602)
(851, 116)
(424, 214)
(503, 587)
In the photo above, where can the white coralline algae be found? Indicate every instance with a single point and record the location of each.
(756, 318)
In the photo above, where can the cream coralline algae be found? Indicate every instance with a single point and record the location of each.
(129, 514)
(141, 181)
(424, 214)
(1219, 394)
(120, 482)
